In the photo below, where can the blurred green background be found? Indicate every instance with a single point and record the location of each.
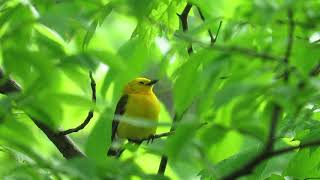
(49, 46)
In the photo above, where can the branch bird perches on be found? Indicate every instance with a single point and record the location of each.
(63, 143)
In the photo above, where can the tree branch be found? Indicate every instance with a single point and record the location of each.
(276, 113)
(7, 85)
(247, 51)
(151, 138)
(315, 71)
(232, 49)
(278, 152)
(90, 114)
(184, 21)
(158, 136)
(212, 39)
(250, 166)
(164, 158)
(289, 45)
(63, 143)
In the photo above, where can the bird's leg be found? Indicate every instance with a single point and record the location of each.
(135, 141)
(150, 139)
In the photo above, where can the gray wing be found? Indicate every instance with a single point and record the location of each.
(120, 109)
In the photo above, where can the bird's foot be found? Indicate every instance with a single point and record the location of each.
(150, 139)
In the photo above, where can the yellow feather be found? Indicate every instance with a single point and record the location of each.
(142, 104)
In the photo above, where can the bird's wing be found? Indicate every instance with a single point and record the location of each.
(120, 109)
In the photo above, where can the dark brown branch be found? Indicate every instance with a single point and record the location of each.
(90, 114)
(153, 137)
(184, 22)
(63, 143)
(7, 85)
(158, 136)
(164, 158)
(276, 113)
(292, 148)
(313, 73)
(212, 39)
(289, 45)
(278, 152)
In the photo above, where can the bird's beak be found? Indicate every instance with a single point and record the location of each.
(152, 82)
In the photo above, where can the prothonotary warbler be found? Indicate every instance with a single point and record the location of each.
(138, 101)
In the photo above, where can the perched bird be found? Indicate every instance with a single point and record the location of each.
(137, 101)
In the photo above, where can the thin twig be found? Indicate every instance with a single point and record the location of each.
(217, 33)
(315, 71)
(158, 136)
(289, 45)
(90, 113)
(247, 52)
(212, 39)
(276, 112)
(153, 137)
(232, 49)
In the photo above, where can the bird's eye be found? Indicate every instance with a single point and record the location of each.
(141, 82)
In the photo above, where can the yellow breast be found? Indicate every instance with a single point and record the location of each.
(143, 107)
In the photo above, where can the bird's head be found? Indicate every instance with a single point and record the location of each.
(139, 86)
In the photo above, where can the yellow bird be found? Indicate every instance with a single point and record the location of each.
(137, 101)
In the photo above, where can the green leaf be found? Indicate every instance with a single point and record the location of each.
(90, 33)
(50, 40)
(232, 163)
(174, 145)
(305, 57)
(99, 139)
(304, 164)
(275, 177)
(231, 91)
(72, 99)
(113, 61)
(189, 75)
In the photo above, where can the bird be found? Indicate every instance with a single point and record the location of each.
(137, 101)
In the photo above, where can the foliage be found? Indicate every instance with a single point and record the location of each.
(49, 46)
